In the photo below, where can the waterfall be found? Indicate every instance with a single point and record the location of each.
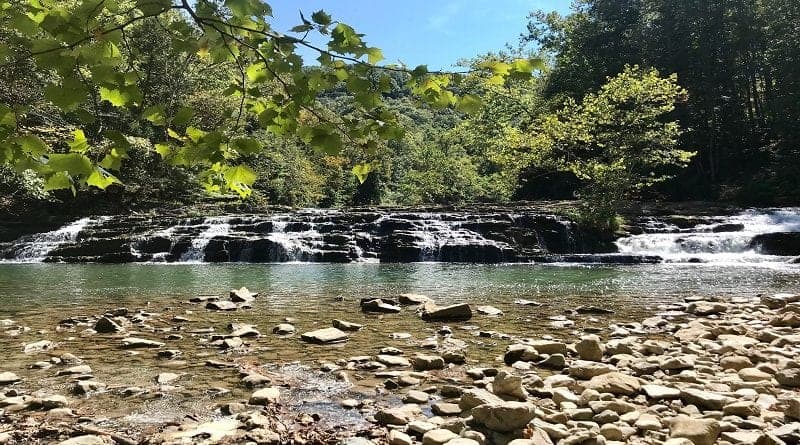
(217, 226)
(296, 246)
(37, 247)
(725, 239)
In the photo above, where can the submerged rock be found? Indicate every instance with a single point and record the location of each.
(242, 295)
(134, 343)
(456, 312)
(106, 325)
(7, 378)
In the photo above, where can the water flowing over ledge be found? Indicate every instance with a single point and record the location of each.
(493, 236)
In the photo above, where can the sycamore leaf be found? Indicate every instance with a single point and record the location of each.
(248, 8)
(153, 7)
(32, 145)
(79, 144)
(362, 171)
(247, 146)
(67, 96)
(164, 150)
(257, 73)
(121, 97)
(183, 116)
(321, 18)
(73, 163)
(239, 179)
(58, 181)
(101, 179)
(156, 115)
(374, 55)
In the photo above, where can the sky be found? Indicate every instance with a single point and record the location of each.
(436, 33)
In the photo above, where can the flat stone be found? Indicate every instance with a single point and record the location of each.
(7, 378)
(438, 437)
(417, 397)
(705, 399)
(413, 299)
(135, 343)
(393, 360)
(265, 396)
(659, 392)
(489, 310)
(456, 312)
(549, 346)
(283, 329)
(428, 362)
(242, 295)
(705, 308)
(325, 336)
(699, 431)
(614, 383)
(396, 437)
(398, 416)
(221, 306)
(75, 370)
(446, 409)
(584, 370)
(85, 440)
(167, 377)
(39, 346)
(346, 325)
(590, 348)
(377, 305)
(477, 396)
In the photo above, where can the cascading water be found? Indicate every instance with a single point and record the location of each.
(295, 246)
(35, 250)
(727, 239)
(217, 226)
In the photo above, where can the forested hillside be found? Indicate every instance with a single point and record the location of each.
(635, 99)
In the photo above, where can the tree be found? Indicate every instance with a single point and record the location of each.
(82, 50)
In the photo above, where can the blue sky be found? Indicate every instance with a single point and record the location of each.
(433, 32)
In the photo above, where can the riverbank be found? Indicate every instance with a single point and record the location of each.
(710, 371)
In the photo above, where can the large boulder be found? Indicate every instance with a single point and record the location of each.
(780, 243)
(504, 417)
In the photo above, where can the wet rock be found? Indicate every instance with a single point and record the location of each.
(699, 431)
(346, 325)
(504, 417)
(377, 305)
(242, 295)
(170, 354)
(413, 299)
(614, 383)
(417, 397)
(266, 396)
(231, 343)
(166, 378)
(7, 378)
(393, 360)
(255, 380)
(428, 362)
(221, 306)
(524, 302)
(446, 409)
(456, 312)
(549, 347)
(210, 432)
(325, 336)
(283, 329)
(489, 310)
(106, 325)
(593, 310)
(243, 330)
(590, 348)
(136, 343)
(75, 370)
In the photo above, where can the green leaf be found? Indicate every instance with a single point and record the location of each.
(79, 144)
(101, 179)
(67, 96)
(164, 150)
(73, 163)
(32, 145)
(156, 115)
(183, 116)
(247, 146)
(121, 97)
(239, 179)
(153, 7)
(257, 73)
(8, 118)
(374, 55)
(362, 171)
(469, 104)
(321, 18)
(58, 181)
(248, 8)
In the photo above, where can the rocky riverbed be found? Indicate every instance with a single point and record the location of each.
(704, 371)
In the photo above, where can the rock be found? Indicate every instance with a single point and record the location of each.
(741, 437)
(283, 329)
(477, 396)
(413, 299)
(754, 375)
(393, 360)
(75, 370)
(106, 325)
(648, 422)
(166, 378)
(396, 437)
(554, 361)
(231, 343)
(446, 409)
(659, 392)
(428, 362)
(524, 302)
(505, 384)
(135, 343)
(84, 387)
(417, 397)
(39, 346)
(398, 416)
(210, 432)
(516, 353)
(243, 330)
(614, 383)
(265, 396)
(549, 347)
(221, 306)
(705, 308)
(793, 409)
(346, 325)
(593, 310)
(789, 377)
(504, 417)
(705, 399)
(489, 310)
(85, 440)
(325, 336)
(51, 402)
(742, 409)
(377, 305)
(584, 370)
(677, 363)
(242, 295)
(456, 312)
(590, 348)
(7, 378)
(736, 362)
(699, 431)
(777, 301)
(438, 437)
